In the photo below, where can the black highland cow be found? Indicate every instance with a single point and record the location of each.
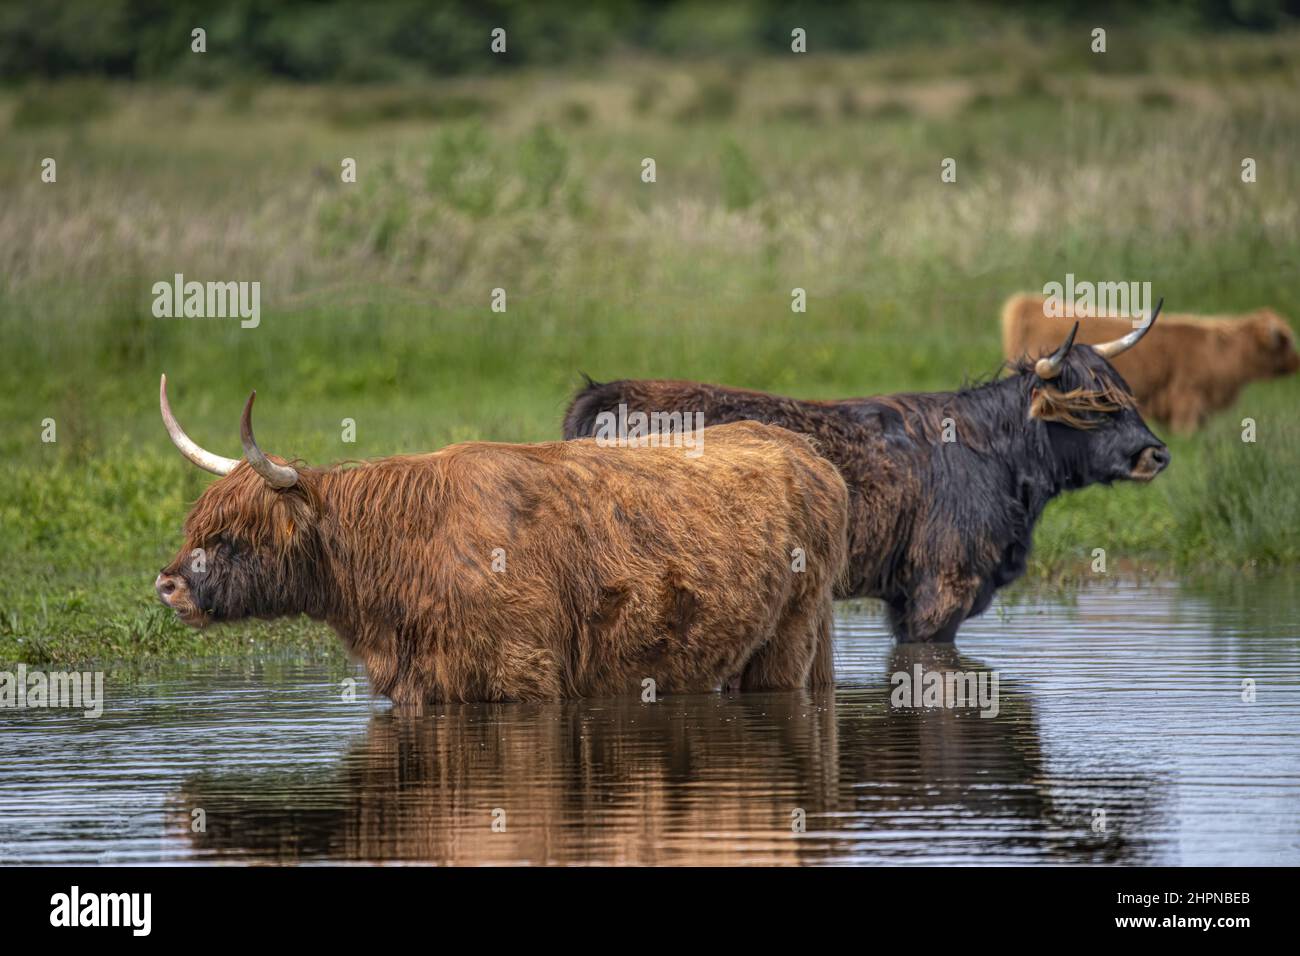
(944, 487)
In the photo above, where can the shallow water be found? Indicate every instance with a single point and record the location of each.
(1120, 736)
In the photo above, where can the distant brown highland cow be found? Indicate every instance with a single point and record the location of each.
(1192, 367)
(493, 572)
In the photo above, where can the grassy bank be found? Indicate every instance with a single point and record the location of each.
(820, 173)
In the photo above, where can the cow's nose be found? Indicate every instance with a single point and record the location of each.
(165, 585)
(1160, 456)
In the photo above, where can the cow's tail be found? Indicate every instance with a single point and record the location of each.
(588, 402)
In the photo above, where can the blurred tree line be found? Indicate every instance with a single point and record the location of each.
(345, 40)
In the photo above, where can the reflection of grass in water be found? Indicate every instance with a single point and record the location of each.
(375, 294)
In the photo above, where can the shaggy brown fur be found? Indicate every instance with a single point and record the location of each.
(1189, 367)
(620, 564)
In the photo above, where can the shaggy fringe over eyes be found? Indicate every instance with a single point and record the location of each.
(242, 506)
(1070, 408)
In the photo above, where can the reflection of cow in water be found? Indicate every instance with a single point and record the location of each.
(689, 780)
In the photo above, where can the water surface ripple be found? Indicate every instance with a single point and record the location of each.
(1121, 736)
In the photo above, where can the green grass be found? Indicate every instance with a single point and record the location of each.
(821, 174)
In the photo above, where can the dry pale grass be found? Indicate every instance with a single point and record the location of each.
(838, 182)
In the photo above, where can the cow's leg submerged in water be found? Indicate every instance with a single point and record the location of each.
(778, 664)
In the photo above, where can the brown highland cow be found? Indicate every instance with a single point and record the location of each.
(494, 572)
(1193, 366)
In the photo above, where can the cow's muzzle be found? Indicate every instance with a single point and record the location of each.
(174, 593)
(1149, 462)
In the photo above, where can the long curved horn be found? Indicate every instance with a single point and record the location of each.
(1050, 367)
(277, 476)
(199, 456)
(1108, 350)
